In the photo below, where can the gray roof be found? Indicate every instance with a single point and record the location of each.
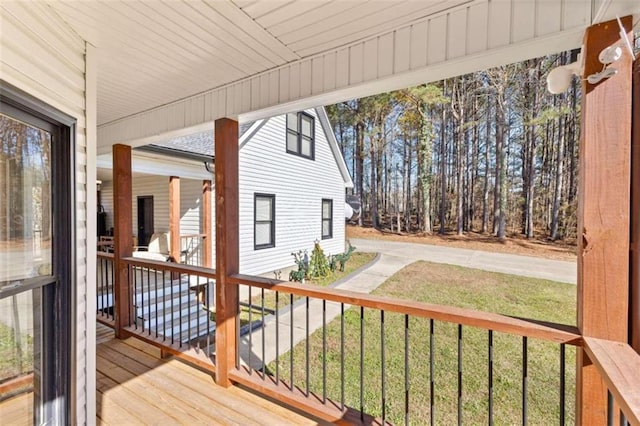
(198, 143)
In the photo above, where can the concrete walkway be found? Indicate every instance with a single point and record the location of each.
(393, 256)
(526, 266)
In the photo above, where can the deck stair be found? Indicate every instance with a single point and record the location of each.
(173, 310)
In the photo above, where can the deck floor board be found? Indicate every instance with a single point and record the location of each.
(136, 386)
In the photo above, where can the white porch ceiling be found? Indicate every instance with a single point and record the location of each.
(151, 53)
(166, 65)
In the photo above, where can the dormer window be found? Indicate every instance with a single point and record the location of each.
(300, 135)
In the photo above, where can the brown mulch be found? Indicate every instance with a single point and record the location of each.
(514, 244)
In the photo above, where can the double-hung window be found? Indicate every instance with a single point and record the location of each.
(300, 135)
(327, 219)
(265, 221)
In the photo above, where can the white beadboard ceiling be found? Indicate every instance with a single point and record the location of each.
(165, 65)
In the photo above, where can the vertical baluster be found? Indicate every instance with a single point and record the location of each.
(207, 294)
(103, 280)
(278, 337)
(324, 351)
(263, 339)
(149, 299)
(490, 377)
(110, 292)
(197, 302)
(250, 330)
(179, 307)
(406, 369)
(525, 379)
(188, 309)
(105, 287)
(131, 305)
(459, 374)
(306, 340)
(361, 363)
(342, 356)
(562, 384)
(291, 342)
(135, 298)
(432, 378)
(383, 390)
(609, 408)
(155, 284)
(237, 330)
(172, 318)
(164, 326)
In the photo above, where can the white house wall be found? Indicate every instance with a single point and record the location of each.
(476, 35)
(299, 185)
(158, 187)
(42, 56)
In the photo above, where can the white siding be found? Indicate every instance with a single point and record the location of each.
(42, 56)
(158, 187)
(299, 185)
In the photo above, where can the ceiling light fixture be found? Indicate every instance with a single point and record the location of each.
(559, 79)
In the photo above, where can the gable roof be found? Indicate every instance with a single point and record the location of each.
(201, 143)
(200, 146)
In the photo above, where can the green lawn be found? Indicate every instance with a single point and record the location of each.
(14, 362)
(448, 285)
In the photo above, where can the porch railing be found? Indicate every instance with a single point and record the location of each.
(171, 306)
(192, 249)
(436, 349)
(104, 290)
(433, 347)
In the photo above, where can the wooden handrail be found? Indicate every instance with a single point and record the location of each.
(193, 236)
(104, 255)
(619, 366)
(171, 267)
(490, 321)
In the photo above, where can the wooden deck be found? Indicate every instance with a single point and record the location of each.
(18, 410)
(136, 386)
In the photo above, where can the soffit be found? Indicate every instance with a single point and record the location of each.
(152, 53)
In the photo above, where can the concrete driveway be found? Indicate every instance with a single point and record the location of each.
(528, 266)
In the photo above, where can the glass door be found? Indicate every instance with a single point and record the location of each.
(35, 256)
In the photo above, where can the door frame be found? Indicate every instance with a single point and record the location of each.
(138, 201)
(59, 299)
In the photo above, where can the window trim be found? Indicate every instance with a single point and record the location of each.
(59, 298)
(272, 234)
(300, 136)
(330, 219)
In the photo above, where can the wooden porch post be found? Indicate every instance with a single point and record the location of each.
(227, 247)
(123, 241)
(174, 217)
(634, 308)
(207, 225)
(603, 214)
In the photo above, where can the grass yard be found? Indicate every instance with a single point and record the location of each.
(456, 286)
(357, 260)
(14, 363)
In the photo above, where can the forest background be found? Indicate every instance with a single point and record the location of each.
(491, 152)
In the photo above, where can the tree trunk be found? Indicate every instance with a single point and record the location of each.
(359, 128)
(557, 192)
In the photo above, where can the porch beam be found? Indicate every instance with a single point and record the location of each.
(122, 238)
(207, 223)
(174, 218)
(603, 214)
(227, 246)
